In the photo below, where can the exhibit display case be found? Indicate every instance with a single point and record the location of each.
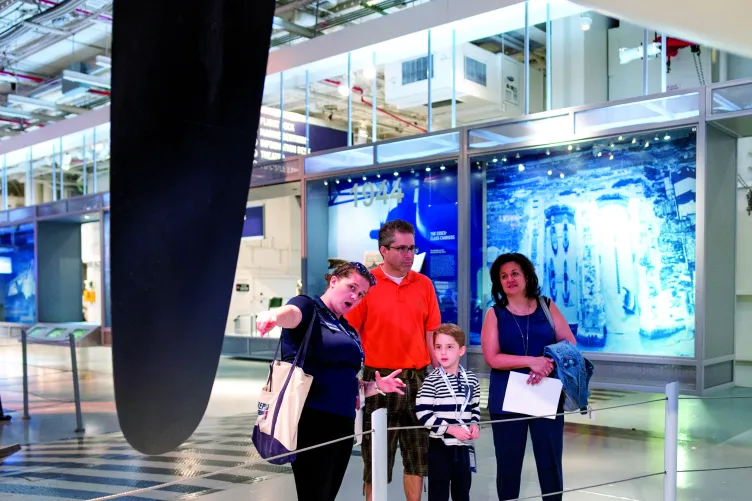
(346, 212)
(612, 203)
(610, 225)
(627, 209)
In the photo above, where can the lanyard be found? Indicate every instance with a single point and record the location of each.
(468, 392)
(334, 325)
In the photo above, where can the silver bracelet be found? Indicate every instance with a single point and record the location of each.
(378, 390)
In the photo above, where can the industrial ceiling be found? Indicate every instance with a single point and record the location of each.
(55, 54)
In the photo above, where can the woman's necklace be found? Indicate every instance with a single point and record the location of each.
(526, 336)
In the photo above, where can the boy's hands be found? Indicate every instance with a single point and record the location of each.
(459, 433)
(474, 432)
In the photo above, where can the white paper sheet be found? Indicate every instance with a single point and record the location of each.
(418, 262)
(532, 400)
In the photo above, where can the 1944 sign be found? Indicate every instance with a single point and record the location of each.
(368, 192)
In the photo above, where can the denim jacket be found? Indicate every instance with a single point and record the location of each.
(574, 371)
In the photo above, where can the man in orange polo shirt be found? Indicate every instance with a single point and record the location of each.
(396, 321)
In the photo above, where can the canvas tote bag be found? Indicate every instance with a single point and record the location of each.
(281, 403)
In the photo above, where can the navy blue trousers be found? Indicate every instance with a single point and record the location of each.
(510, 440)
(448, 472)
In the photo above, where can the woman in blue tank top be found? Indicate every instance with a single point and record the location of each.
(515, 332)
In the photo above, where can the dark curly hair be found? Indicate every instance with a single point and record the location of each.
(532, 290)
(349, 269)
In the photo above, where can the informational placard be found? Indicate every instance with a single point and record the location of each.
(277, 140)
(427, 199)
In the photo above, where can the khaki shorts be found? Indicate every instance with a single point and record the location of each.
(413, 444)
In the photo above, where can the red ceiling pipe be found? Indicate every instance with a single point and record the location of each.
(363, 100)
(22, 78)
(80, 11)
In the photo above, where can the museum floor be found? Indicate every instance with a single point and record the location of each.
(54, 464)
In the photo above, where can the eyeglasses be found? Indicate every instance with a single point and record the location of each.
(404, 249)
(362, 271)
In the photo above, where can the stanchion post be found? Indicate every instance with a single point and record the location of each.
(76, 392)
(379, 455)
(671, 442)
(25, 364)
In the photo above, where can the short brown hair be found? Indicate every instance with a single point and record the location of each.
(386, 233)
(453, 331)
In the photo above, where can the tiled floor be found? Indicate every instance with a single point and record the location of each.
(55, 463)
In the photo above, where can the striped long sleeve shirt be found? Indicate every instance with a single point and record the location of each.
(437, 409)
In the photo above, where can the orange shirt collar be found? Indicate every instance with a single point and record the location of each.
(381, 275)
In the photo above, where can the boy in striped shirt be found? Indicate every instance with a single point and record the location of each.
(448, 404)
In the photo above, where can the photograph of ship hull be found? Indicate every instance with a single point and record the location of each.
(610, 226)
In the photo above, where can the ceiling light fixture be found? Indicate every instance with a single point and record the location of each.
(586, 22)
(521, 168)
(627, 55)
(369, 73)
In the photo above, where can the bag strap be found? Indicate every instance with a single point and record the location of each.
(304, 346)
(543, 300)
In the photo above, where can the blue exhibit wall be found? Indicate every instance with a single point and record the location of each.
(18, 287)
(424, 195)
(610, 227)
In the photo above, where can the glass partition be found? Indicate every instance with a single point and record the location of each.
(344, 214)
(100, 174)
(422, 147)
(556, 128)
(731, 99)
(663, 109)
(610, 227)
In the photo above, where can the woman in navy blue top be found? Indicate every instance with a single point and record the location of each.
(515, 332)
(334, 359)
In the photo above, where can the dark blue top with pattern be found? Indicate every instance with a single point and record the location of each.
(511, 342)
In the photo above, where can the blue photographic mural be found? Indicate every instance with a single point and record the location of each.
(610, 227)
(18, 287)
(425, 196)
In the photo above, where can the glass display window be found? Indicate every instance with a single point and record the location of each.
(610, 225)
(18, 288)
(344, 215)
